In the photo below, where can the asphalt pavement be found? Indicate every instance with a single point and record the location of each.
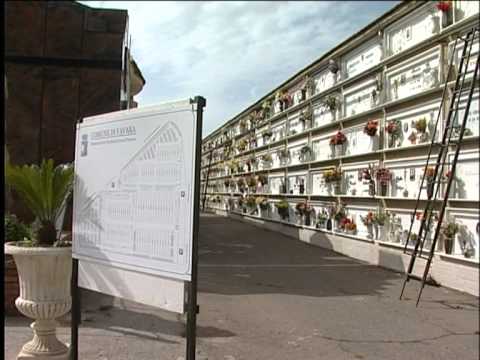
(265, 296)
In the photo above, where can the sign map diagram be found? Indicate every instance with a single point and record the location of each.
(137, 219)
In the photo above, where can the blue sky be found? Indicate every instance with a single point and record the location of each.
(233, 53)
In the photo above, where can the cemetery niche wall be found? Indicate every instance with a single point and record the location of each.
(343, 143)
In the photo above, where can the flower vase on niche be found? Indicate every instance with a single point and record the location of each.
(307, 219)
(370, 231)
(337, 188)
(302, 187)
(329, 224)
(371, 188)
(338, 150)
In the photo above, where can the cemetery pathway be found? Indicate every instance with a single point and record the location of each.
(265, 296)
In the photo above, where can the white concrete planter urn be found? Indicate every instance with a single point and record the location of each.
(44, 278)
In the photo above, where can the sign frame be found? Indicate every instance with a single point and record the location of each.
(191, 308)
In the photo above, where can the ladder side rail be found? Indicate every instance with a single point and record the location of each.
(448, 131)
(450, 179)
(444, 92)
(429, 202)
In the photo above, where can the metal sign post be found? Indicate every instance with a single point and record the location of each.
(192, 289)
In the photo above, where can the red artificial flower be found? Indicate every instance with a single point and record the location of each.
(443, 6)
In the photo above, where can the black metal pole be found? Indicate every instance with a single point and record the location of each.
(75, 312)
(192, 289)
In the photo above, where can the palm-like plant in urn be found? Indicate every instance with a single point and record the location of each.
(45, 263)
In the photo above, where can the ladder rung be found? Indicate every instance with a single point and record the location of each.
(410, 252)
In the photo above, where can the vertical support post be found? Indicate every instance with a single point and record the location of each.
(192, 288)
(75, 317)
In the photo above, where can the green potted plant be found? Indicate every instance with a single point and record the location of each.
(333, 176)
(266, 160)
(305, 153)
(282, 208)
(283, 155)
(262, 203)
(242, 145)
(241, 184)
(322, 219)
(449, 231)
(45, 263)
(379, 219)
(252, 183)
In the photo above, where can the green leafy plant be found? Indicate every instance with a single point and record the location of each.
(251, 202)
(450, 230)
(421, 125)
(263, 179)
(282, 207)
(44, 189)
(379, 217)
(322, 217)
(15, 230)
(262, 202)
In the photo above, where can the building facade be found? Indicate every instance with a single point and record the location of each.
(64, 61)
(347, 137)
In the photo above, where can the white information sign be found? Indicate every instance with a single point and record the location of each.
(133, 197)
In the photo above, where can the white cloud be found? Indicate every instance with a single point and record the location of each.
(233, 53)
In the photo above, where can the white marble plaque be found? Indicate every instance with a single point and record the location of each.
(465, 9)
(467, 176)
(321, 149)
(324, 81)
(363, 58)
(415, 76)
(412, 29)
(360, 98)
(358, 142)
(467, 240)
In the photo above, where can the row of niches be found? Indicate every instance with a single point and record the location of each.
(408, 126)
(413, 76)
(399, 178)
(459, 234)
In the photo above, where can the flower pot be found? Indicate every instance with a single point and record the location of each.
(430, 188)
(391, 141)
(337, 188)
(308, 221)
(383, 189)
(371, 188)
(338, 150)
(44, 279)
(370, 231)
(321, 225)
(380, 233)
(448, 244)
(302, 189)
(329, 224)
(351, 232)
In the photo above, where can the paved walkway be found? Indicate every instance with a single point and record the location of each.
(264, 296)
